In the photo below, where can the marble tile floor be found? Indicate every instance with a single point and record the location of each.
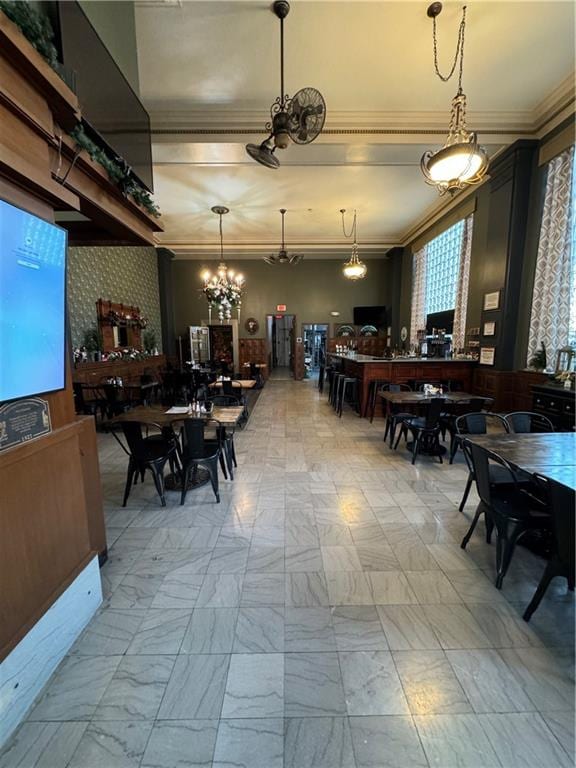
(322, 616)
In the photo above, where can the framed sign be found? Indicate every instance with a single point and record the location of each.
(487, 355)
(489, 329)
(492, 300)
(251, 325)
(23, 420)
(280, 307)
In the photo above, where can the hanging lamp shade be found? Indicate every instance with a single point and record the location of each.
(354, 269)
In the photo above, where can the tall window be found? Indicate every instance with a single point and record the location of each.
(553, 316)
(440, 279)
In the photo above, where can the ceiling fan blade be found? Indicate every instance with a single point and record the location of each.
(268, 259)
(296, 258)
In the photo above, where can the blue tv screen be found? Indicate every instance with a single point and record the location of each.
(32, 304)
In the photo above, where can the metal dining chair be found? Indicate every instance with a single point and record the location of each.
(526, 421)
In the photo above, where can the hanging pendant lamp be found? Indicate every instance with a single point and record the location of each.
(462, 161)
(353, 269)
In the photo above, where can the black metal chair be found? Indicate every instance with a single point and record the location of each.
(561, 502)
(321, 372)
(525, 421)
(89, 406)
(373, 388)
(226, 435)
(198, 452)
(425, 430)
(450, 414)
(393, 415)
(349, 389)
(509, 507)
(146, 453)
(474, 424)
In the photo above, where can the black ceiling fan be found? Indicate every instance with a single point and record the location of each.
(283, 257)
(299, 119)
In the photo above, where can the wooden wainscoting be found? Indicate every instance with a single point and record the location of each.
(511, 390)
(254, 351)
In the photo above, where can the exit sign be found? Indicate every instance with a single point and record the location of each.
(280, 307)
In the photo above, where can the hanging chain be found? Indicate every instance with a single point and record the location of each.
(459, 54)
(221, 241)
(353, 230)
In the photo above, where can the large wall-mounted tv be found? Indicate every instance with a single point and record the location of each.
(32, 304)
(107, 101)
(370, 316)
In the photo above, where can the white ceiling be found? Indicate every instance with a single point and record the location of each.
(210, 70)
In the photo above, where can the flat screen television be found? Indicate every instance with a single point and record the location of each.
(370, 316)
(32, 304)
(440, 320)
(108, 103)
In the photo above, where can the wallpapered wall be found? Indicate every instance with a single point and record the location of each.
(128, 275)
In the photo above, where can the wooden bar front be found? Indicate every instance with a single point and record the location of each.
(404, 371)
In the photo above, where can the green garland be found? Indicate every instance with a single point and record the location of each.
(37, 29)
(118, 172)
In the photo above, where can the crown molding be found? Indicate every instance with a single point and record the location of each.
(254, 251)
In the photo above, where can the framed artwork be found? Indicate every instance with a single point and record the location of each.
(345, 330)
(251, 325)
(492, 300)
(489, 329)
(487, 355)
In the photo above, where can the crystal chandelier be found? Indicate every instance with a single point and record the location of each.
(461, 161)
(223, 290)
(353, 269)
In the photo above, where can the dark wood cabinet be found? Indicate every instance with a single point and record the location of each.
(557, 404)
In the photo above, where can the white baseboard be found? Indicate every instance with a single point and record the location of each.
(27, 668)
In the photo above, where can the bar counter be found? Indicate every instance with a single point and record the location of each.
(402, 370)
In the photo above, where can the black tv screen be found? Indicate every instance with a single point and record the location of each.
(440, 321)
(370, 316)
(106, 99)
(32, 304)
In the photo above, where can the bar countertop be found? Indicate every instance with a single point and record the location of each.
(372, 359)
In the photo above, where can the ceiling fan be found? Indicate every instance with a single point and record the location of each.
(283, 257)
(299, 119)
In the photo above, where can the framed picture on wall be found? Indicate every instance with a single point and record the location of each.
(492, 300)
(489, 329)
(487, 355)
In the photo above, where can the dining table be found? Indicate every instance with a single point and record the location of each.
(236, 383)
(223, 418)
(549, 454)
(423, 398)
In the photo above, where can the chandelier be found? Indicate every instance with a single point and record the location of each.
(223, 290)
(353, 269)
(461, 161)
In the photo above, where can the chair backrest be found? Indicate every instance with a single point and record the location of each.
(192, 433)
(79, 395)
(397, 387)
(478, 423)
(561, 501)
(223, 400)
(525, 421)
(227, 387)
(433, 412)
(253, 371)
(133, 433)
(476, 405)
(481, 459)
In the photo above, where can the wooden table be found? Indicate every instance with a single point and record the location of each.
(228, 416)
(236, 383)
(419, 398)
(551, 454)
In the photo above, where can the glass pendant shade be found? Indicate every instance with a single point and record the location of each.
(354, 269)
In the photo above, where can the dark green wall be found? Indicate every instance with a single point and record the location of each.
(310, 290)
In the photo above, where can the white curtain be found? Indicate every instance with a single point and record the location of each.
(459, 332)
(550, 316)
(418, 314)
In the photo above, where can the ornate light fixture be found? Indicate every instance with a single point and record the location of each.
(353, 269)
(223, 289)
(461, 161)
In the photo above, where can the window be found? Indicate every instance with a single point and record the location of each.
(440, 279)
(553, 315)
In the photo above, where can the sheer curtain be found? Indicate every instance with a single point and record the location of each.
(418, 314)
(459, 332)
(554, 278)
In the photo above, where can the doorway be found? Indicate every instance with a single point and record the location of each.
(280, 336)
(315, 339)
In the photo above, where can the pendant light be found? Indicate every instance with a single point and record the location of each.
(353, 269)
(223, 289)
(462, 161)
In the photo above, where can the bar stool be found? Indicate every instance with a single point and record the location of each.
(373, 389)
(335, 392)
(321, 372)
(348, 386)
